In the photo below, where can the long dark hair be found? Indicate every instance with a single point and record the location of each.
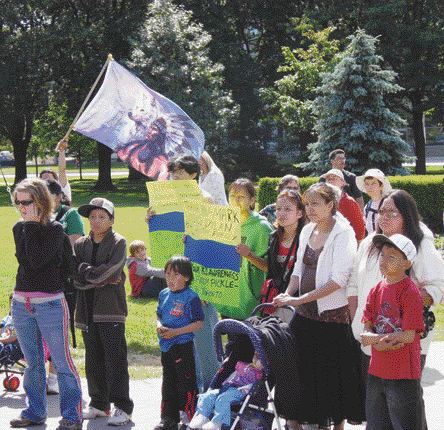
(406, 206)
(296, 198)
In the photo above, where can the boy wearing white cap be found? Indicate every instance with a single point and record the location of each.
(393, 323)
(374, 183)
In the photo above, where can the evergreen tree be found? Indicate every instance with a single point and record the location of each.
(171, 55)
(353, 114)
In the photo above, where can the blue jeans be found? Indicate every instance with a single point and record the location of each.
(204, 352)
(50, 320)
(219, 402)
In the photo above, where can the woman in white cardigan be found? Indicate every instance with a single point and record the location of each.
(398, 213)
(329, 389)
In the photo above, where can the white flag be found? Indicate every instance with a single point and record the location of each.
(145, 128)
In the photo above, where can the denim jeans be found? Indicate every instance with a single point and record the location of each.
(50, 320)
(219, 402)
(393, 404)
(204, 352)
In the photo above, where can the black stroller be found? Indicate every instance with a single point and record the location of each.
(257, 411)
(11, 365)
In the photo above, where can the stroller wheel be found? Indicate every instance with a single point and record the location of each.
(11, 383)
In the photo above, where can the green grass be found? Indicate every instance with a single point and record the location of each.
(131, 203)
(70, 167)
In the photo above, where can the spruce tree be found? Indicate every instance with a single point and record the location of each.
(352, 112)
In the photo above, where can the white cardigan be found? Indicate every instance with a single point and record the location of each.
(427, 270)
(335, 261)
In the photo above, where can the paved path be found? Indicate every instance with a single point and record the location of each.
(146, 396)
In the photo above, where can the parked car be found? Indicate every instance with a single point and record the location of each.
(6, 159)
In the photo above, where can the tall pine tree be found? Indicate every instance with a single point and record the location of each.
(352, 112)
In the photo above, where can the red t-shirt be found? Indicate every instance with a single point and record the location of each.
(349, 207)
(283, 254)
(391, 308)
(136, 281)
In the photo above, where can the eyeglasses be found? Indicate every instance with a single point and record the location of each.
(23, 202)
(388, 214)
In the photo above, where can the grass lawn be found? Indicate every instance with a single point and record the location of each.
(131, 203)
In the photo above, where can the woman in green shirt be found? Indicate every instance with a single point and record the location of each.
(255, 232)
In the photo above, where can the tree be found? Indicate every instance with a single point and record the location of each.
(48, 129)
(290, 99)
(171, 55)
(353, 114)
(412, 44)
(246, 39)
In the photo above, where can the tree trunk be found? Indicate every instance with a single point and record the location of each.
(419, 134)
(104, 182)
(20, 138)
(135, 175)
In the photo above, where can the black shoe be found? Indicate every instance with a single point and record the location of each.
(24, 422)
(166, 424)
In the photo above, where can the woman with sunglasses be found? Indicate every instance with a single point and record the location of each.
(40, 309)
(398, 214)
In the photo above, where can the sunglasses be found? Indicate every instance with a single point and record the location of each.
(23, 202)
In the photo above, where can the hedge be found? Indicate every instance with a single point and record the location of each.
(427, 190)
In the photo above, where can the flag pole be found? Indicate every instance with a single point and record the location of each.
(82, 108)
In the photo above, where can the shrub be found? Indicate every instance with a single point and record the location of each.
(427, 190)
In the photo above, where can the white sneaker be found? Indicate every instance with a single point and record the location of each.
(52, 385)
(119, 418)
(210, 425)
(91, 413)
(198, 421)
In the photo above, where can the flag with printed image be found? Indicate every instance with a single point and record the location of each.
(143, 127)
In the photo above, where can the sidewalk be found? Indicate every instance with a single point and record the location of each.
(146, 396)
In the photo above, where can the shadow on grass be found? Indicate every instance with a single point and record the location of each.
(139, 347)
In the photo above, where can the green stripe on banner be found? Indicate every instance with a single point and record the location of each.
(165, 244)
(217, 286)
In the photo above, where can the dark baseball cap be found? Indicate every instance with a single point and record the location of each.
(97, 203)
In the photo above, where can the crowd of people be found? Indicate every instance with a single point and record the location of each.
(362, 279)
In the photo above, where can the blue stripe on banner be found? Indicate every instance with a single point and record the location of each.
(171, 221)
(214, 255)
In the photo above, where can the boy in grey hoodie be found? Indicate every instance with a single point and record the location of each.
(145, 280)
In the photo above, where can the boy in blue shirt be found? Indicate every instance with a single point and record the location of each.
(179, 314)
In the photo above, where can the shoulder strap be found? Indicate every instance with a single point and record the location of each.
(62, 212)
(291, 250)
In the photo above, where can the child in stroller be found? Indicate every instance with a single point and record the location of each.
(246, 347)
(10, 353)
(218, 401)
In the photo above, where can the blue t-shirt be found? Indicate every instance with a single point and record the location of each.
(178, 309)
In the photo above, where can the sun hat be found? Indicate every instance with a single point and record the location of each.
(377, 174)
(335, 172)
(399, 241)
(97, 203)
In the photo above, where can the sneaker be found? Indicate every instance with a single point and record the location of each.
(210, 425)
(52, 385)
(119, 418)
(166, 424)
(198, 421)
(93, 412)
(24, 422)
(65, 424)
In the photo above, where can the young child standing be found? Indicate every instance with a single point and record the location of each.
(393, 322)
(145, 280)
(179, 314)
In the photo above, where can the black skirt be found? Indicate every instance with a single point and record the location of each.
(329, 388)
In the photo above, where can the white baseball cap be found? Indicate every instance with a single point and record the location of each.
(399, 241)
(97, 203)
(377, 174)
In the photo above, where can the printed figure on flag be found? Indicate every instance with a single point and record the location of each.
(143, 127)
